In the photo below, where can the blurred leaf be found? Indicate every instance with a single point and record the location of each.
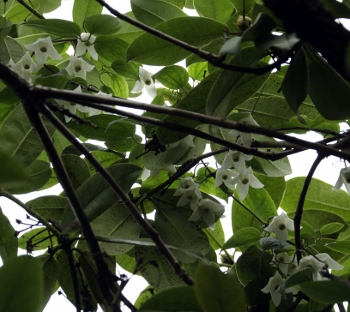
(83, 9)
(58, 27)
(111, 48)
(119, 86)
(76, 169)
(38, 239)
(8, 240)
(49, 207)
(243, 237)
(19, 13)
(102, 24)
(331, 228)
(219, 10)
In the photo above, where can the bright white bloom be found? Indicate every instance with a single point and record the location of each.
(86, 43)
(225, 176)
(272, 287)
(280, 225)
(145, 81)
(190, 193)
(186, 141)
(311, 262)
(243, 181)
(186, 184)
(72, 107)
(282, 260)
(25, 66)
(246, 137)
(329, 262)
(207, 209)
(344, 178)
(43, 48)
(78, 67)
(237, 160)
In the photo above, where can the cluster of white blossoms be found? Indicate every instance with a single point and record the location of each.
(287, 264)
(242, 177)
(202, 208)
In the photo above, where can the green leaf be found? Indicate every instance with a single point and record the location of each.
(331, 228)
(19, 13)
(215, 290)
(153, 12)
(36, 239)
(175, 299)
(197, 71)
(220, 10)
(20, 285)
(327, 86)
(76, 168)
(49, 207)
(57, 27)
(96, 196)
(8, 240)
(275, 168)
(173, 77)
(295, 85)
(252, 264)
(233, 88)
(245, 236)
(83, 9)
(47, 6)
(10, 49)
(4, 31)
(111, 48)
(299, 277)
(107, 128)
(119, 86)
(274, 186)
(11, 171)
(340, 246)
(319, 196)
(327, 292)
(102, 24)
(151, 50)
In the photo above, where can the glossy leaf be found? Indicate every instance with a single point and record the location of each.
(331, 228)
(57, 27)
(151, 50)
(111, 48)
(96, 197)
(173, 77)
(119, 86)
(8, 240)
(20, 285)
(215, 9)
(102, 24)
(18, 13)
(83, 9)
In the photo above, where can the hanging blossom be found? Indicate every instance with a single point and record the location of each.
(225, 176)
(77, 67)
(344, 178)
(246, 137)
(282, 261)
(280, 226)
(72, 107)
(272, 288)
(86, 44)
(42, 49)
(25, 66)
(244, 180)
(208, 210)
(190, 193)
(311, 262)
(237, 160)
(329, 262)
(145, 81)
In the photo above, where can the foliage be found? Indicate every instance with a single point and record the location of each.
(145, 185)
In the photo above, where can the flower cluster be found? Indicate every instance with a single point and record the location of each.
(242, 177)
(287, 264)
(202, 208)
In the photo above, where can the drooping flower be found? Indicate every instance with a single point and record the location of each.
(272, 288)
(145, 81)
(282, 260)
(246, 137)
(344, 178)
(244, 180)
(237, 160)
(25, 66)
(190, 193)
(280, 225)
(311, 262)
(78, 67)
(43, 48)
(225, 176)
(207, 209)
(329, 262)
(86, 43)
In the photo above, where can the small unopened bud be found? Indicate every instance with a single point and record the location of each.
(243, 23)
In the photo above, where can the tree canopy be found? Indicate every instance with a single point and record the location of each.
(145, 184)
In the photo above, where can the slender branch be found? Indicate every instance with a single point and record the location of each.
(300, 206)
(216, 60)
(30, 9)
(31, 212)
(123, 197)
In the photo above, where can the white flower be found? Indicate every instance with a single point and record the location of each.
(43, 48)
(246, 137)
(145, 81)
(282, 260)
(292, 267)
(72, 107)
(225, 176)
(190, 193)
(243, 181)
(86, 43)
(280, 225)
(344, 178)
(207, 209)
(272, 287)
(329, 262)
(186, 141)
(186, 184)
(25, 66)
(311, 262)
(78, 67)
(237, 160)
